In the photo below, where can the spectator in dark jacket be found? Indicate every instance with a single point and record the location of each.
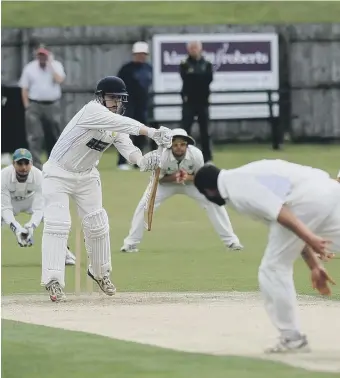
(137, 76)
(197, 75)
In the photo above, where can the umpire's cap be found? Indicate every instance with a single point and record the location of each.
(22, 153)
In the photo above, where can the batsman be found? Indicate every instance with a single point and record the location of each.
(71, 172)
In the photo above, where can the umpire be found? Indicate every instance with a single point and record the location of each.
(197, 74)
(40, 84)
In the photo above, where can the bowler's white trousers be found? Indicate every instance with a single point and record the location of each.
(318, 206)
(217, 214)
(57, 186)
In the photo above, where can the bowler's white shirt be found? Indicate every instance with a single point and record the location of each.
(260, 189)
(13, 191)
(40, 83)
(192, 161)
(89, 133)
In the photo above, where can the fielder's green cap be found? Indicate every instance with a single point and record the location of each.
(22, 153)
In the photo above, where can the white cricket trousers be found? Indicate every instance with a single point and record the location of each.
(317, 204)
(217, 214)
(57, 187)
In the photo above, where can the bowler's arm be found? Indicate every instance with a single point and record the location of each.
(310, 258)
(287, 219)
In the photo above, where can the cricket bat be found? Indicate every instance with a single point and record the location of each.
(151, 195)
(151, 203)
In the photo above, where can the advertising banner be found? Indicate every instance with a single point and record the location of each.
(240, 62)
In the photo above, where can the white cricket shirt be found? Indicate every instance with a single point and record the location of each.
(192, 161)
(259, 189)
(40, 83)
(89, 133)
(13, 191)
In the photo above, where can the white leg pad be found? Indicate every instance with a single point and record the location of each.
(97, 242)
(54, 246)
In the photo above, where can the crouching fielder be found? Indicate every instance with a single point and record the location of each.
(21, 193)
(179, 165)
(71, 172)
(297, 202)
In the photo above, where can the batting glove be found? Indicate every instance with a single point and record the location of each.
(150, 161)
(162, 136)
(30, 227)
(20, 233)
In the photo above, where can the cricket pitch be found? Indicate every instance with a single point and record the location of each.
(212, 323)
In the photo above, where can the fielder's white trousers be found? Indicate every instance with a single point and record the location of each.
(23, 206)
(217, 214)
(57, 187)
(318, 206)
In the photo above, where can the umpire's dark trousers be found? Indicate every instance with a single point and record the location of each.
(139, 114)
(189, 112)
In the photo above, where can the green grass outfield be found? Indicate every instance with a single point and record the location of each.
(34, 351)
(114, 13)
(170, 260)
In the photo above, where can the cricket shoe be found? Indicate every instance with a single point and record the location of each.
(236, 246)
(130, 248)
(70, 258)
(290, 346)
(104, 283)
(55, 291)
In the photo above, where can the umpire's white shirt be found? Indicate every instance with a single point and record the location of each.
(40, 83)
(21, 196)
(89, 133)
